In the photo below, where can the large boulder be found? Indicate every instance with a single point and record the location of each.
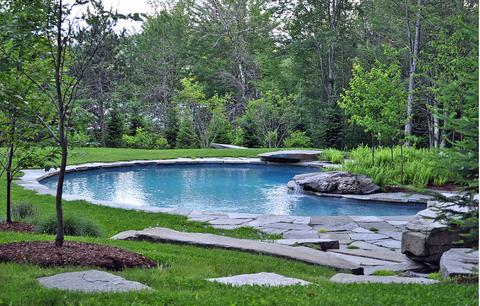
(290, 156)
(425, 239)
(337, 182)
(458, 262)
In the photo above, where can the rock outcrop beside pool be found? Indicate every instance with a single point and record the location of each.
(336, 182)
(290, 156)
(425, 239)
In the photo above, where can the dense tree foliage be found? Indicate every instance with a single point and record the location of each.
(386, 63)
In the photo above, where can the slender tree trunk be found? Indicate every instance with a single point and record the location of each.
(373, 148)
(414, 46)
(63, 141)
(9, 175)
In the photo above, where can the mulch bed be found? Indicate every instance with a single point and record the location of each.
(72, 253)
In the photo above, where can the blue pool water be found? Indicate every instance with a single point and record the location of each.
(229, 188)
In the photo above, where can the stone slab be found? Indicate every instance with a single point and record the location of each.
(381, 226)
(389, 243)
(289, 226)
(366, 219)
(456, 262)
(303, 254)
(344, 278)
(387, 256)
(342, 238)
(336, 227)
(405, 266)
(394, 235)
(291, 156)
(325, 244)
(367, 236)
(300, 235)
(225, 146)
(90, 281)
(228, 221)
(332, 219)
(368, 246)
(361, 261)
(260, 279)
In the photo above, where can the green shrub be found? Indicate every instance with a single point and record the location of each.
(74, 225)
(373, 229)
(436, 276)
(384, 273)
(297, 139)
(334, 156)
(161, 144)
(142, 140)
(352, 247)
(417, 169)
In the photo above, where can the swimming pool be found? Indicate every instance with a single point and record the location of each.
(259, 189)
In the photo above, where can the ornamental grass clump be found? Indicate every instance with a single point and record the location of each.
(74, 225)
(24, 210)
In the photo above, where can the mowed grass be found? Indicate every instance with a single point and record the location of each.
(180, 278)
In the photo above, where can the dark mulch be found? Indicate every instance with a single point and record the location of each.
(465, 280)
(15, 226)
(72, 253)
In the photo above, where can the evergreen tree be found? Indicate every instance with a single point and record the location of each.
(172, 127)
(115, 128)
(186, 138)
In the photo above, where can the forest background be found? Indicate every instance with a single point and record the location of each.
(263, 73)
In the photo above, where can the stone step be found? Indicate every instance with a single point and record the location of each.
(387, 255)
(344, 278)
(260, 279)
(325, 244)
(303, 254)
(413, 266)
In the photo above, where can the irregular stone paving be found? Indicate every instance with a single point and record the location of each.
(260, 279)
(372, 242)
(304, 254)
(90, 281)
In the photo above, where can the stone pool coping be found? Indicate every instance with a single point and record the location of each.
(31, 178)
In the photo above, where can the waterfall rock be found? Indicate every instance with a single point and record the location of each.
(337, 182)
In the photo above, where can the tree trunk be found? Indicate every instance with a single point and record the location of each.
(414, 49)
(9, 177)
(61, 125)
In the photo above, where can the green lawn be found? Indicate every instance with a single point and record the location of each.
(182, 282)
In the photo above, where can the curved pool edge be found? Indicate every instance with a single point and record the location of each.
(32, 177)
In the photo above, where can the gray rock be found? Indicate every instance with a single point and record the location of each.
(382, 255)
(414, 266)
(290, 156)
(325, 244)
(349, 278)
(426, 240)
(261, 279)
(301, 235)
(90, 281)
(225, 146)
(337, 182)
(456, 262)
(336, 227)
